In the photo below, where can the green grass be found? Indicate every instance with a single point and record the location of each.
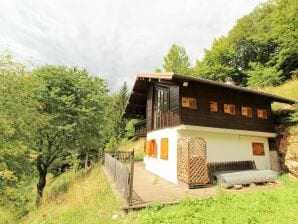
(76, 199)
(288, 90)
(136, 144)
(270, 206)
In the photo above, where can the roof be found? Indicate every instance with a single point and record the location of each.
(136, 105)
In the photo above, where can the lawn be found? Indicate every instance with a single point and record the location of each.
(270, 206)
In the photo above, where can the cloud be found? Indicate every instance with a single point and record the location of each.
(113, 38)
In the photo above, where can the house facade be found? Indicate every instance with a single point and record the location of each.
(190, 122)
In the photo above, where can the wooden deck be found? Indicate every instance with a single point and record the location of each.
(148, 188)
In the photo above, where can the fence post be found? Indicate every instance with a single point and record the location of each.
(131, 177)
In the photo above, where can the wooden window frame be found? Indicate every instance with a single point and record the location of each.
(213, 106)
(246, 111)
(189, 102)
(258, 149)
(262, 114)
(161, 108)
(164, 149)
(229, 106)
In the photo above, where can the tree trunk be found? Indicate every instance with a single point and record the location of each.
(40, 185)
(86, 160)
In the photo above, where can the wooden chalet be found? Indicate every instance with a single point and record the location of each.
(191, 122)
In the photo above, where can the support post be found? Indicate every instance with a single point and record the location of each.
(131, 177)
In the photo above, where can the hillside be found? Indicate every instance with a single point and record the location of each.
(76, 198)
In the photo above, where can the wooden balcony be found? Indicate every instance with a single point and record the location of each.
(141, 129)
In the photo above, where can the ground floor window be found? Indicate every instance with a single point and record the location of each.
(258, 149)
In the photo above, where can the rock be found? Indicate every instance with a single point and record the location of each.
(252, 185)
(237, 186)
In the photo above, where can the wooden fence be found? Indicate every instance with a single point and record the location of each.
(122, 173)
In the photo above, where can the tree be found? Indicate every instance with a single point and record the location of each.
(71, 107)
(266, 37)
(177, 61)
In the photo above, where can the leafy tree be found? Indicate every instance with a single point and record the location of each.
(72, 103)
(266, 38)
(177, 61)
(260, 76)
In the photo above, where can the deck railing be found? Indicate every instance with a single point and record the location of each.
(121, 172)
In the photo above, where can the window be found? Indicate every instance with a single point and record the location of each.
(246, 111)
(151, 149)
(164, 148)
(161, 107)
(262, 113)
(213, 106)
(189, 102)
(229, 109)
(258, 149)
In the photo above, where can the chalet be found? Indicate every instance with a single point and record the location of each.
(191, 122)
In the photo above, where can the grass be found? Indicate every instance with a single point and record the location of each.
(270, 206)
(288, 90)
(136, 144)
(76, 199)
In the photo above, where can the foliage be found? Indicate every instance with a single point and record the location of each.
(177, 61)
(271, 206)
(88, 199)
(16, 124)
(260, 76)
(262, 42)
(72, 107)
(112, 145)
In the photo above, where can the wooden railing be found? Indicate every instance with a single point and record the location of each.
(141, 129)
(122, 173)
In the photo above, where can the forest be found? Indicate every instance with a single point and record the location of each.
(55, 117)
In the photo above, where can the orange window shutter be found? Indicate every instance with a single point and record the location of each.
(164, 148)
(147, 148)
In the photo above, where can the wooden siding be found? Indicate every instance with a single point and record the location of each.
(174, 106)
(203, 117)
(149, 108)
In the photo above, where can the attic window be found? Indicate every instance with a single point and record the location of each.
(213, 106)
(262, 113)
(229, 109)
(189, 102)
(246, 111)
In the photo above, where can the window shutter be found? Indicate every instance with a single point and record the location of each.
(164, 148)
(258, 149)
(189, 102)
(229, 108)
(152, 148)
(213, 106)
(147, 148)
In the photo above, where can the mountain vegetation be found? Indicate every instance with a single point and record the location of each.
(260, 50)
(54, 118)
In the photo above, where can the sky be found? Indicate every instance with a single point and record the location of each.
(114, 39)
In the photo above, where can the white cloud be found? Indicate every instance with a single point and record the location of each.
(113, 38)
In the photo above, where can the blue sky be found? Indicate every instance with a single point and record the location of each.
(114, 38)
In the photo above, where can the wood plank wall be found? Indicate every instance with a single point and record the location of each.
(174, 106)
(149, 108)
(203, 117)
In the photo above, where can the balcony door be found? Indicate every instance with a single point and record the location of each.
(161, 107)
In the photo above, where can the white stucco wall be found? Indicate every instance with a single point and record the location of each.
(166, 169)
(222, 145)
